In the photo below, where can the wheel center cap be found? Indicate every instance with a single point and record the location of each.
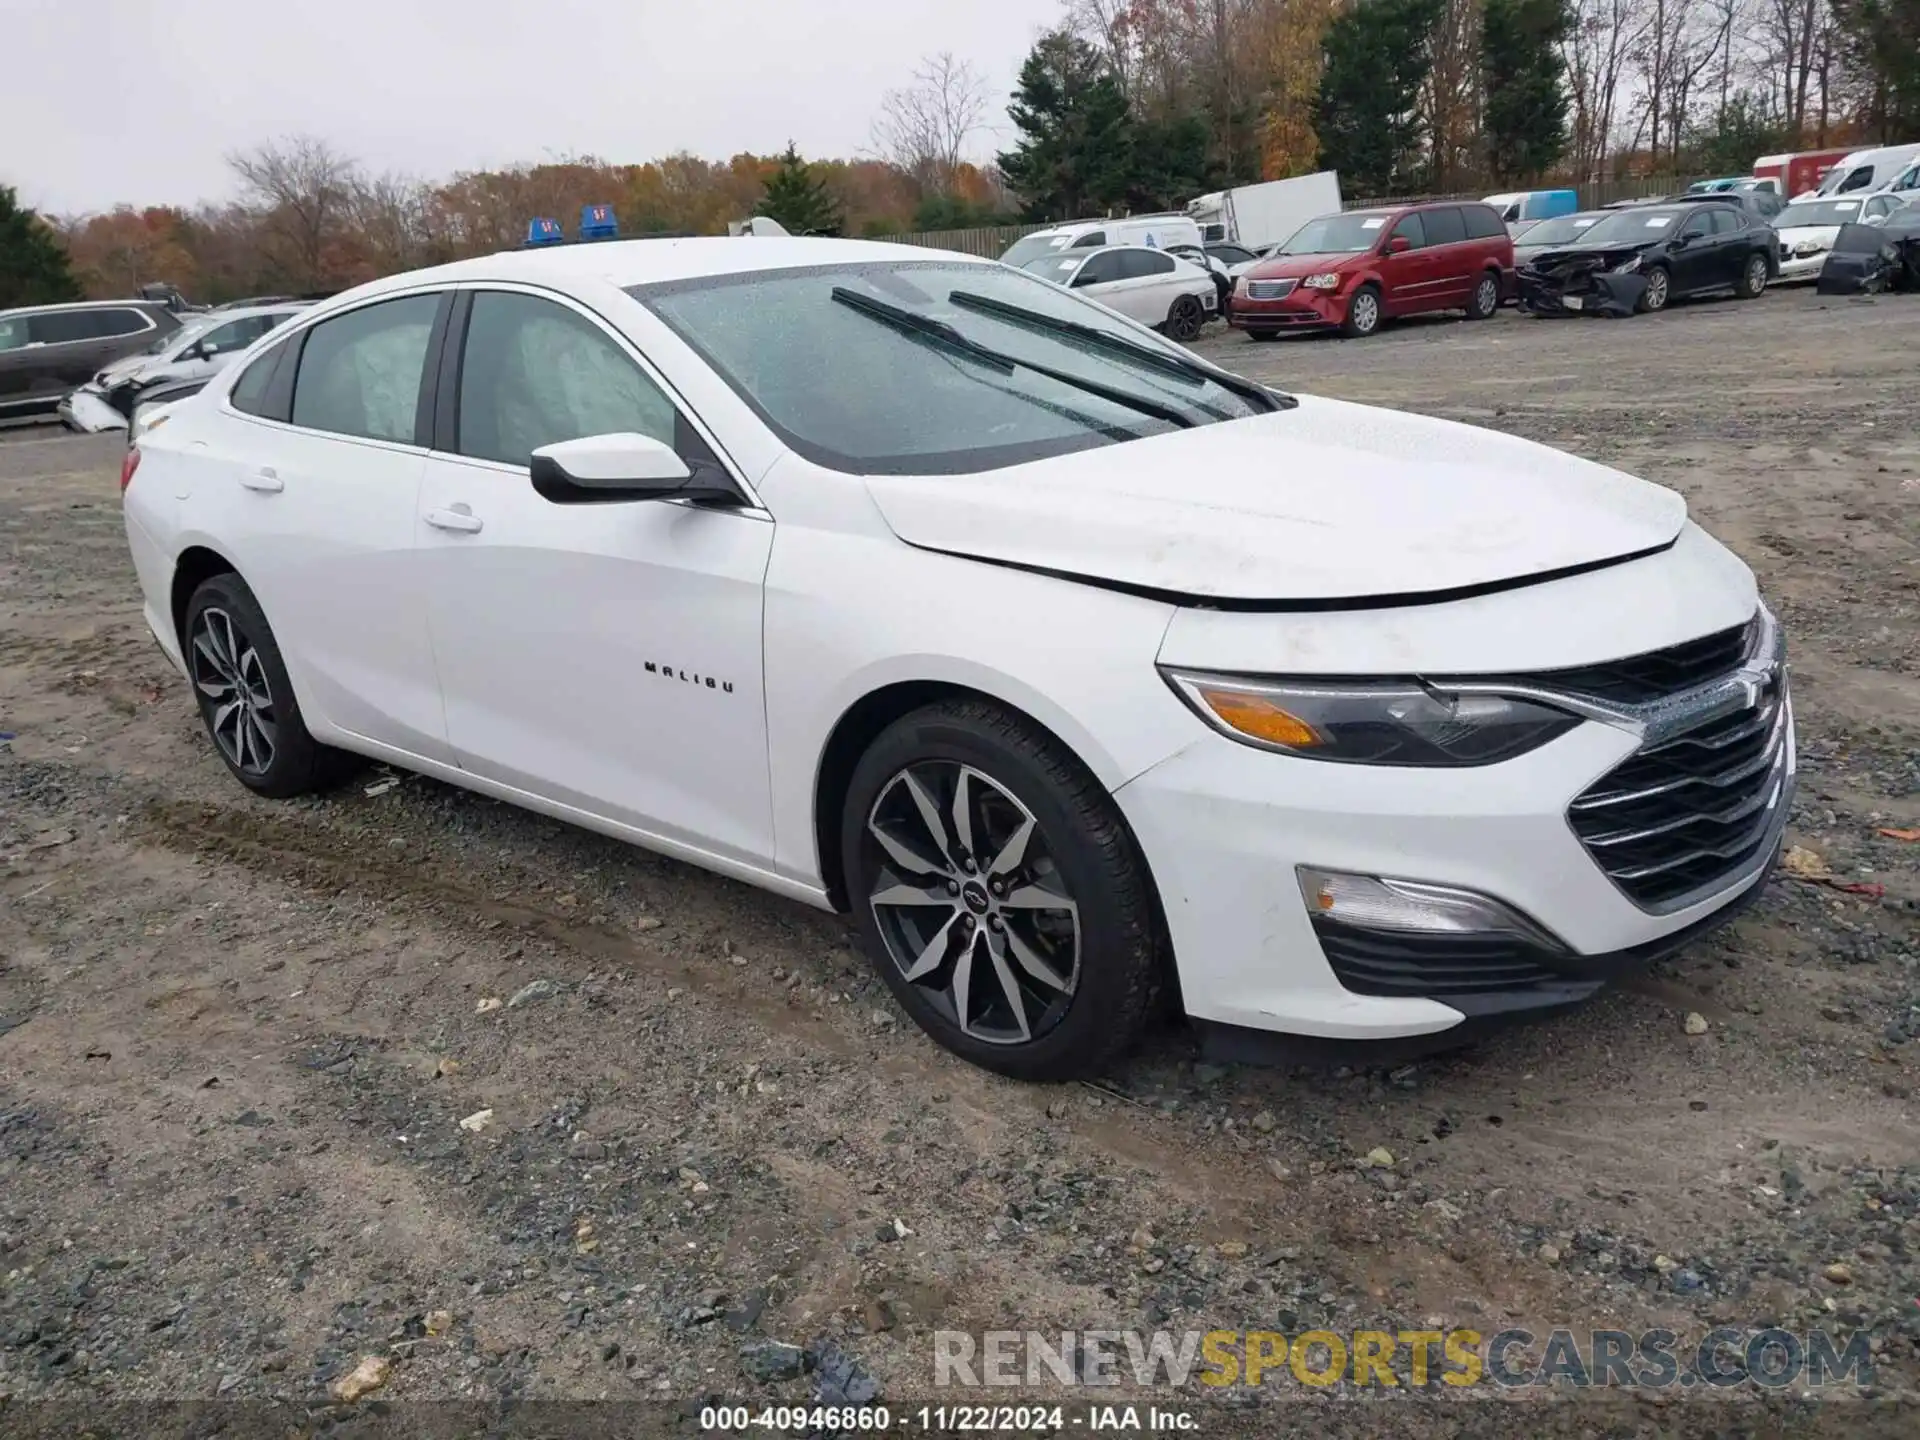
(975, 896)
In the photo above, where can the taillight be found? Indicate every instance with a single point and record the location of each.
(127, 467)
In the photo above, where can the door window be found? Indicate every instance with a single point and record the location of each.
(1858, 180)
(64, 327)
(237, 335)
(1099, 269)
(1725, 222)
(1443, 227)
(1411, 230)
(1093, 240)
(534, 373)
(1698, 226)
(360, 373)
(1231, 254)
(13, 332)
(1138, 264)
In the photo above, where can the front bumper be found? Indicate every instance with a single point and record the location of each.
(1800, 268)
(1597, 292)
(1224, 827)
(1300, 309)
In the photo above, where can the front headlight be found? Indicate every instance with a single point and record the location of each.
(1322, 282)
(1627, 266)
(1364, 722)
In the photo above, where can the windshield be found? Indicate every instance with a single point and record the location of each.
(1032, 247)
(1057, 268)
(1336, 235)
(887, 401)
(1562, 230)
(1817, 212)
(186, 332)
(1636, 227)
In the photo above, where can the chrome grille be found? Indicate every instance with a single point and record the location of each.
(1681, 818)
(1270, 289)
(1660, 673)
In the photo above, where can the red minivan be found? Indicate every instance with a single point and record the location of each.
(1353, 270)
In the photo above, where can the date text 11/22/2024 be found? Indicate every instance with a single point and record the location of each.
(943, 1419)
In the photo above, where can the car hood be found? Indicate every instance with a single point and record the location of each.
(1295, 267)
(1823, 235)
(1326, 503)
(1563, 256)
(123, 367)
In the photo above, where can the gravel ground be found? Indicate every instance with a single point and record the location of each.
(517, 1114)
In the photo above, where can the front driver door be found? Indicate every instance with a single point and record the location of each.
(1696, 260)
(604, 656)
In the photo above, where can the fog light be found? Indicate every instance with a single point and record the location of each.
(1368, 902)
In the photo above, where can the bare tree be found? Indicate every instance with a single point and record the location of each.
(924, 128)
(305, 188)
(1595, 52)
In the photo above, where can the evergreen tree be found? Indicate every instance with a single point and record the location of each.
(1524, 75)
(1170, 163)
(1075, 150)
(1377, 54)
(1881, 40)
(33, 263)
(799, 199)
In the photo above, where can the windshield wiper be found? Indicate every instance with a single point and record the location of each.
(1118, 345)
(939, 332)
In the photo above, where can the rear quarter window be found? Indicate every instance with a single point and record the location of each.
(1481, 222)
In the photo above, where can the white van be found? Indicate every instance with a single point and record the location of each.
(1866, 171)
(1156, 232)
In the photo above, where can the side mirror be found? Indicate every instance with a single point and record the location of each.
(623, 466)
(1398, 244)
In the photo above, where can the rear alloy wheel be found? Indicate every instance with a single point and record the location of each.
(1753, 279)
(1185, 318)
(1486, 298)
(1659, 290)
(1000, 896)
(1363, 314)
(245, 696)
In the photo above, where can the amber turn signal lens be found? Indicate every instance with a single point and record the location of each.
(1261, 718)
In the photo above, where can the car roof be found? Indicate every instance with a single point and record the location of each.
(147, 305)
(644, 262)
(247, 312)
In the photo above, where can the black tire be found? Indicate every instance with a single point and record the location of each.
(1753, 278)
(1485, 301)
(225, 635)
(1185, 318)
(1076, 843)
(1363, 313)
(1658, 292)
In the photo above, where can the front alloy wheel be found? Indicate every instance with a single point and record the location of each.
(1363, 313)
(1754, 280)
(999, 892)
(969, 902)
(1658, 292)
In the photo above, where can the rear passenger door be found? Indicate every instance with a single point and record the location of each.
(1146, 289)
(1454, 270)
(314, 480)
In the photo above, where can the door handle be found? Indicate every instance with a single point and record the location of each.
(266, 480)
(458, 518)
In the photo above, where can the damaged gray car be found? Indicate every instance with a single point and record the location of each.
(1636, 260)
(1870, 259)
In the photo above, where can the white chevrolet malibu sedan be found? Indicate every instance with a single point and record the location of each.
(1078, 670)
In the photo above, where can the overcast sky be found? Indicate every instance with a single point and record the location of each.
(108, 101)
